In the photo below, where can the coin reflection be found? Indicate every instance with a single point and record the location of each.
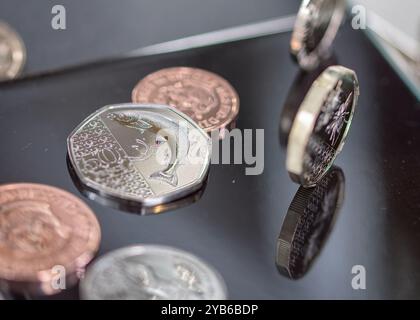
(308, 223)
(131, 206)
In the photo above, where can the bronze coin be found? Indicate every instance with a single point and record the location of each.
(205, 97)
(42, 227)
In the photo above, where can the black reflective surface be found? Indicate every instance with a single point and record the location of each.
(234, 226)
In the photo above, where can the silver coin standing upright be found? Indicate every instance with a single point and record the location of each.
(316, 26)
(146, 154)
(319, 130)
(12, 53)
(148, 272)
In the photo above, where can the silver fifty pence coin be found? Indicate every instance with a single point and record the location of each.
(148, 272)
(145, 154)
(12, 53)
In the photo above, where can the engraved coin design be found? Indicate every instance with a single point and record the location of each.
(151, 273)
(321, 125)
(42, 227)
(130, 206)
(308, 223)
(12, 53)
(202, 95)
(146, 154)
(316, 26)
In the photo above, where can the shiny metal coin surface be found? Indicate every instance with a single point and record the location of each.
(316, 26)
(151, 273)
(204, 96)
(144, 154)
(42, 228)
(321, 125)
(12, 53)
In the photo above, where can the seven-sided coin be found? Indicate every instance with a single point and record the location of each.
(146, 154)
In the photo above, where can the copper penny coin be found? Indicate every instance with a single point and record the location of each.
(42, 228)
(205, 97)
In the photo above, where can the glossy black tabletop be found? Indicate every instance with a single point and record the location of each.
(235, 225)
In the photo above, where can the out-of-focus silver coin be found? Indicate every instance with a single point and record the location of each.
(12, 53)
(151, 273)
(308, 223)
(315, 29)
(145, 154)
(321, 125)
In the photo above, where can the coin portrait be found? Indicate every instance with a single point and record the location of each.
(202, 95)
(42, 227)
(321, 125)
(148, 272)
(12, 53)
(148, 154)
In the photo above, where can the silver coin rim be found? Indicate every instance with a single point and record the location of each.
(136, 250)
(17, 46)
(301, 131)
(311, 61)
(154, 200)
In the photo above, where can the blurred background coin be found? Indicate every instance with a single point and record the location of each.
(316, 26)
(143, 154)
(12, 53)
(202, 95)
(308, 223)
(46, 234)
(321, 125)
(151, 273)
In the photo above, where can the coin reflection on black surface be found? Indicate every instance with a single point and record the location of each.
(307, 224)
(131, 206)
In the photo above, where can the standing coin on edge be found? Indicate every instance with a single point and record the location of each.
(202, 95)
(43, 230)
(320, 127)
(151, 273)
(146, 154)
(12, 53)
(316, 26)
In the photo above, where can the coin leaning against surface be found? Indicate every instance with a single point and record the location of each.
(42, 227)
(147, 154)
(315, 29)
(202, 95)
(148, 272)
(321, 125)
(12, 53)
